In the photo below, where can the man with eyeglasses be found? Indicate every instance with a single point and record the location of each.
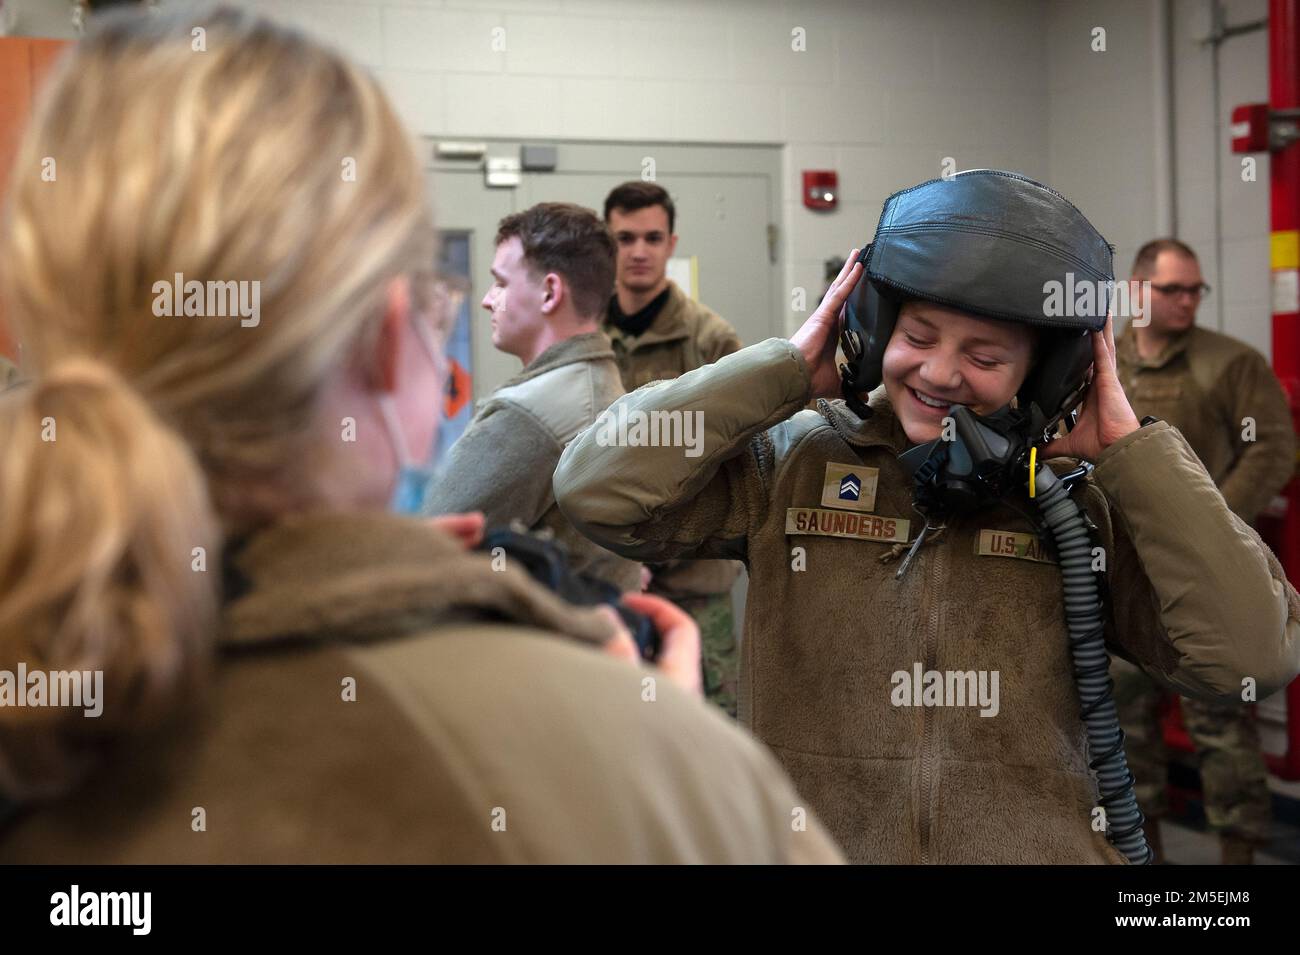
(1222, 395)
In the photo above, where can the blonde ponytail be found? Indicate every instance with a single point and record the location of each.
(105, 534)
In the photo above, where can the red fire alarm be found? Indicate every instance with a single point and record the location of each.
(1250, 128)
(820, 188)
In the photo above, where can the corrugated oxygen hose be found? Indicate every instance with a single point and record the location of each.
(1083, 615)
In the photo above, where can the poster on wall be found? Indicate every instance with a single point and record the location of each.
(458, 404)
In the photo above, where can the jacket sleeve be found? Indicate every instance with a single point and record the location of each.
(502, 466)
(1265, 464)
(1198, 600)
(654, 503)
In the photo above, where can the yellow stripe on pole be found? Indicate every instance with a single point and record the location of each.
(1285, 252)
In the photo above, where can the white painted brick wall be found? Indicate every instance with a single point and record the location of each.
(1102, 143)
(884, 91)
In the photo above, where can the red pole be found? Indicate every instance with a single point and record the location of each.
(1284, 94)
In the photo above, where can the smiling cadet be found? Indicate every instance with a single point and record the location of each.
(957, 333)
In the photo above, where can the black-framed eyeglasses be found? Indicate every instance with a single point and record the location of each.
(1195, 291)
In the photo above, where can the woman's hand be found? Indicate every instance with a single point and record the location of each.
(467, 528)
(1106, 416)
(679, 640)
(820, 334)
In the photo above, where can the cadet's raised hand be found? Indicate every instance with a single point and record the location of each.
(820, 334)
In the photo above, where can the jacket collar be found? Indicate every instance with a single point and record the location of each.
(882, 429)
(669, 325)
(1126, 348)
(362, 577)
(589, 346)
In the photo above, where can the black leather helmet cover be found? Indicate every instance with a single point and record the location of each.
(985, 242)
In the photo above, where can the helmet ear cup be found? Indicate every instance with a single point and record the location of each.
(869, 320)
(1059, 379)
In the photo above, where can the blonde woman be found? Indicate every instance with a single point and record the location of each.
(358, 687)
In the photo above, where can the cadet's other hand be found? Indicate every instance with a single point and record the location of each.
(820, 334)
(1106, 416)
(467, 528)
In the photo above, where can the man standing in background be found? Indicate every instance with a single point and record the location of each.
(553, 267)
(659, 332)
(1222, 395)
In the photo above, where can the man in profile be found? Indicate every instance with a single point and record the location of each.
(552, 272)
